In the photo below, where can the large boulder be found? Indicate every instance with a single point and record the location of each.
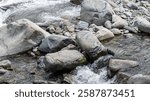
(96, 11)
(143, 24)
(90, 44)
(20, 36)
(63, 60)
(55, 43)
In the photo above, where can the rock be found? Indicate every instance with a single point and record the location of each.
(82, 25)
(142, 24)
(139, 79)
(116, 31)
(122, 77)
(55, 43)
(132, 29)
(117, 64)
(77, 2)
(71, 28)
(20, 36)
(90, 44)
(3, 71)
(6, 64)
(107, 24)
(104, 34)
(58, 30)
(51, 29)
(132, 5)
(118, 22)
(62, 61)
(96, 11)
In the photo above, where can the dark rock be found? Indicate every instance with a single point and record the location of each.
(90, 44)
(55, 43)
(77, 2)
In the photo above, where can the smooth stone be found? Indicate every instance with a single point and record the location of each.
(116, 31)
(64, 60)
(82, 25)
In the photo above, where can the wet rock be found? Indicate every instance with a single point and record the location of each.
(82, 25)
(77, 2)
(118, 22)
(20, 36)
(122, 77)
(55, 43)
(104, 34)
(6, 64)
(96, 11)
(90, 44)
(117, 64)
(116, 31)
(139, 79)
(143, 24)
(64, 60)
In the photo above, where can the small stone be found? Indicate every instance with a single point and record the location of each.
(70, 28)
(58, 30)
(104, 34)
(6, 64)
(51, 29)
(107, 24)
(82, 25)
(116, 31)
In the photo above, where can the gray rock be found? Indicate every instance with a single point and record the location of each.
(55, 43)
(115, 31)
(82, 25)
(51, 29)
(139, 79)
(117, 64)
(118, 22)
(96, 11)
(62, 61)
(104, 33)
(3, 71)
(122, 77)
(20, 36)
(90, 44)
(107, 24)
(143, 24)
(6, 64)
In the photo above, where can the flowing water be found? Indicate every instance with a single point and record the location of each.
(57, 9)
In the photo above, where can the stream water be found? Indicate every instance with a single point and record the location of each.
(83, 74)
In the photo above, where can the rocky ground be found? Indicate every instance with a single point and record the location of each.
(110, 35)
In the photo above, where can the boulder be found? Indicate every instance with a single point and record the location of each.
(63, 60)
(20, 36)
(143, 24)
(54, 43)
(104, 33)
(96, 11)
(90, 44)
(117, 64)
(139, 79)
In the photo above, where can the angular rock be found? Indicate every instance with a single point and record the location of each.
(143, 24)
(6, 64)
(82, 25)
(64, 60)
(104, 34)
(139, 79)
(96, 11)
(90, 44)
(54, 43)
(107, 24)
(20, 36)
(117, 64)
(118, 22)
